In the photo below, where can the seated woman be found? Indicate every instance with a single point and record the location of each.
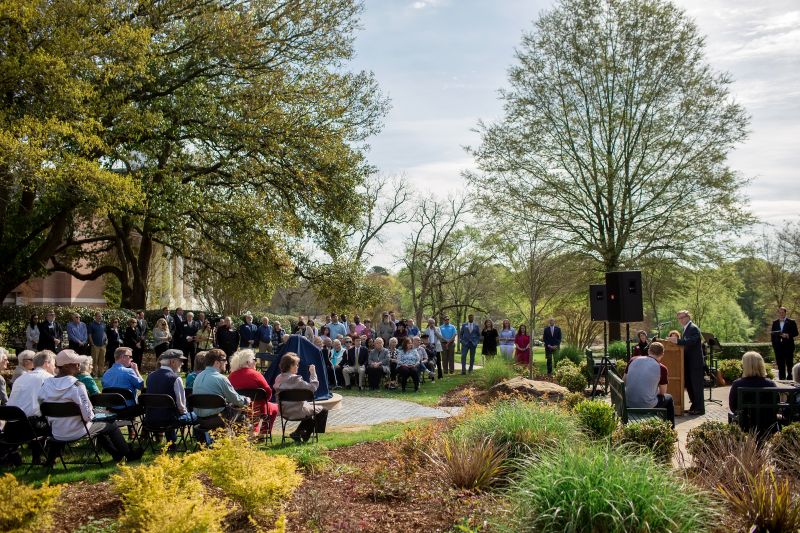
(377, 364)
(24, 364)
(85, 377)
(754, 374)
(199, 366)
(288, 379)
(674, 333)
(392, 358)
(640, 348)
(245, 376)
(407, 363)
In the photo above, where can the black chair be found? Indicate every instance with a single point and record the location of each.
(757, 410)
(297, 395)
(265, 359)
(70, 410)
(18, 431)
(257, 395)
(205, 424)
(161, 416)
(109, 402)
(129, 415)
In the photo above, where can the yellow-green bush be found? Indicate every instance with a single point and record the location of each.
(255, 480)
(167, 497)
(25, 508)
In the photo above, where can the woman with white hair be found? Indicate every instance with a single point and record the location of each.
(3, 366)
(161, 337)
(245, 376)
(754, 374)
(24, 364)
(85, 376)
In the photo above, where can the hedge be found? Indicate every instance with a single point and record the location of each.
(731, 350)
(14, 319)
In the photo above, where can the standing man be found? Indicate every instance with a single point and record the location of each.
(386, 328)
(470, 335)
(141, 334)
(692, 361)
(783, 332)
(190, 329)
(551, 338)
(78, 335)
(448, 335)
(50, 334)
(336, 327)
(178, 337)
(98, 340)
(412, 328)
(434, 340)
(248, 332)
(265, 335)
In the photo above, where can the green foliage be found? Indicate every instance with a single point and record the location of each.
(702, 441)
(25, 508)
(571, 353)
(618, 350)
(588, 489)
(496, 370)
(100, 525)
(572, 378)
(765, 502)
(597, 418)
(785, 445)
(520, 426)
(653, 435)
(737, 350)
(731, 369)
(468, 465)
(312, 459)
(571, 400)
(15, 318)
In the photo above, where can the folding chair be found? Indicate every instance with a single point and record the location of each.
(297, 395)
(109, 402)
(160, 417)
(127, 415)
(69, 410)
(757, 410)
(207, 423)
(19, 431)
(265, 359)
(257, 395)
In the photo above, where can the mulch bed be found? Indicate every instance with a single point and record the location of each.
(460, 396)
(366, 490)
(81, 503)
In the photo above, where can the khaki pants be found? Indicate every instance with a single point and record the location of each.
(264, 347)
(98, 359)
(348, 371)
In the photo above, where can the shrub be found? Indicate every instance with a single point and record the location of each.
(785, 445)
(571, 353)
(765, 503)
(618, 350)
(25, 508)
(563, 367)
(312, 459)
(600, 489)
(571, 400)
(703, 441)
(257, 481)
(572, 379)
(653, 435)
(468, 465)
(730, 350)
(731, 369)
(520, 426)
(144, 489)
(598, 418)
(564, 363)
(496, 370)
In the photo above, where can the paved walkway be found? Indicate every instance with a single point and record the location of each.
(364, 411)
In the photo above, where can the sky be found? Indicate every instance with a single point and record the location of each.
(442, 62)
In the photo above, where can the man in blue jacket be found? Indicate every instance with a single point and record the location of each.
(470, 335)
(552, 342)
(248, 332)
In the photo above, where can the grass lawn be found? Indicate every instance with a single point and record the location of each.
(428, 394)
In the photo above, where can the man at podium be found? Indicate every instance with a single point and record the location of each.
(691, 340)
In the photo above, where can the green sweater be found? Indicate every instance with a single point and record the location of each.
(91, 385)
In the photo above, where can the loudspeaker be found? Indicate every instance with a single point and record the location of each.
(597, 302)
(624, 295)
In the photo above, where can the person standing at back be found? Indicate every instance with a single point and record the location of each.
(783, 332)
(98, 340)
(448, 333)
(551, 338)
(692, 361)
(470, 335)
(50, 334)
(78, 335)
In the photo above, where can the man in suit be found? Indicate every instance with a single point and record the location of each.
(692, 343)
(551, 337)
(354, 362)
(50, 333)
(783, 332)
(248, 332)
(470, 334)
(190, 329)
(178, 336)
(141, 334)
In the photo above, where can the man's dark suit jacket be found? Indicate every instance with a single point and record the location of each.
(47, 336)
(350, 356)
(692, 342)
(553, 339)
(779, 344)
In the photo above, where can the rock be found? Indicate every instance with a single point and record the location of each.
(527, 388)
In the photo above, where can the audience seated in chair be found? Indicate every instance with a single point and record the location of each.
(199, 366)
(66, 388)
(377, 364)
(288, 379)
(124, 374)
(85, 377)
(24, 364)
(427, 364)
(754, 374)
(166, 380)
(212, 381)
(646, 380)
(407, 362)
(245, 376)
(25, 393)
(354, 363)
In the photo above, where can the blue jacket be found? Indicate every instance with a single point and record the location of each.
(264, 333)
(247, 333)
(469, 338)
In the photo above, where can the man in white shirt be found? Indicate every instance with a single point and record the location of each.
(25, 393)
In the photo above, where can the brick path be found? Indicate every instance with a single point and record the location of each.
(364, 411)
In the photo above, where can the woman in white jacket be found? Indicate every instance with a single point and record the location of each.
(66, 388)
(288, 379)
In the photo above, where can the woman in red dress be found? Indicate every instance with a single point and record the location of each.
(522, 342)
(245, 376)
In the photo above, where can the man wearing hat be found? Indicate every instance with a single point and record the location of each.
(166, 380)
(67, 388)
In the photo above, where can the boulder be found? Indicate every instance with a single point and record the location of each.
(528, 388)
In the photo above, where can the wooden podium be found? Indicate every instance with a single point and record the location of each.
(673, 360)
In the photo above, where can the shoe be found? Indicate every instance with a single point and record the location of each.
(306, 436)
(696, 412)
(135, 455)
(349, 387)
(463, 373)
(296, 437)
(416, 389)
